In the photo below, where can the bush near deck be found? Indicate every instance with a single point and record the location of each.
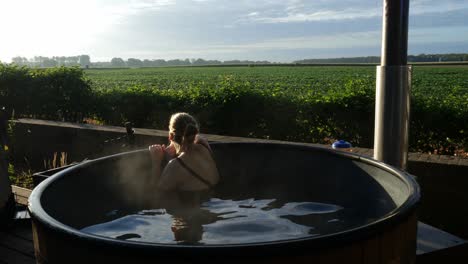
(231, 105)
(54, 93)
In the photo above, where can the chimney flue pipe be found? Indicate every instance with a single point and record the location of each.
(393, 84)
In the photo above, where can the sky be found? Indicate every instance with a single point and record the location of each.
(279, 30)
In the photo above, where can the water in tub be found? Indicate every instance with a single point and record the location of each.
(224, 221)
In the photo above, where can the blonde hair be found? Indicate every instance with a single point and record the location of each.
(184, 128)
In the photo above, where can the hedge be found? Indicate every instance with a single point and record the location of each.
(230, 108)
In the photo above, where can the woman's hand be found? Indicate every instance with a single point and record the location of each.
(170, 151)
(157, 152)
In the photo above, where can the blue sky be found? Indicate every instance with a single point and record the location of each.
(283, 30)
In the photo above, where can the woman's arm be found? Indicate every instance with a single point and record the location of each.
(170, 152)
(169, 177)
(157, 156)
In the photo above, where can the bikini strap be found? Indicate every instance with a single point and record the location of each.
(194, 173)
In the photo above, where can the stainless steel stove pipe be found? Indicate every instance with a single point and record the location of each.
(393, 84)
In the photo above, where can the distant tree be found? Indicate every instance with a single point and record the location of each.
(48, 62)
(159, 62)
(61, 60)
(212, 62)
(117, 62)
(37, 61)
(72, 61)
(20, 61)
(232, 62)
(147, 63)
(132, 62)
(84, 60)
(101, 64)
(199, 62)
(176, 62)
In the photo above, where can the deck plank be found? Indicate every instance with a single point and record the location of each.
(19, 244)
(21, 230)
(18, 238)
(432, 239)
(11, 256)
(16, 244)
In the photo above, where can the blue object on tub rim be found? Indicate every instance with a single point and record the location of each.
(340, 144)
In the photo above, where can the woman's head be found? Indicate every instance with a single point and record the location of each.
(182, 130)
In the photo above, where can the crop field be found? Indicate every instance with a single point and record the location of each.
(300, 103)
(296, 78)
(316, 104)
(301, 79)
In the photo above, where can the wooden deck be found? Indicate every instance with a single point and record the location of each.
(433, 245)
(16, 242)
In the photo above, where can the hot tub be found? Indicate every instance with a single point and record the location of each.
(81, 196)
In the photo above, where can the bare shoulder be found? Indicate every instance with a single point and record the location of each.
(169, 177)
(199, 140)
(171, 165)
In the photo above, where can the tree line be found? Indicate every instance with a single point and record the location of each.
(136, 63)
(55, 61)
(84, 61)
(452, 57)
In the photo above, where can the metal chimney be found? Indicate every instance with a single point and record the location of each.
(393, 84)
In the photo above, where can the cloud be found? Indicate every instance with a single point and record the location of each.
(419, 7)
(439, 35)
(120, 10)
(334, 43)
(337, 41)
(313, 42)
(198, 28)
(320, 15)
(298, 11)
(149, 5)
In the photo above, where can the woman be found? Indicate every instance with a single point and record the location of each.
(191, 171)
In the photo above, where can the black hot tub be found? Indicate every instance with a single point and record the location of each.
(81, 195)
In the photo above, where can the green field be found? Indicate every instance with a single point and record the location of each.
(316, 104)
(425, 78)
(329, 102)
(297, 78)
(446, 85)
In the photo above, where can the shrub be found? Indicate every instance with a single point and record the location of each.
(56, 93)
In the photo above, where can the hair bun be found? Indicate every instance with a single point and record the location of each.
(189, 135)
(184, 128)
(190, 130)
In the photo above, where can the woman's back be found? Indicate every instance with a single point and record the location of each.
(193, 170)
(192, 174)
